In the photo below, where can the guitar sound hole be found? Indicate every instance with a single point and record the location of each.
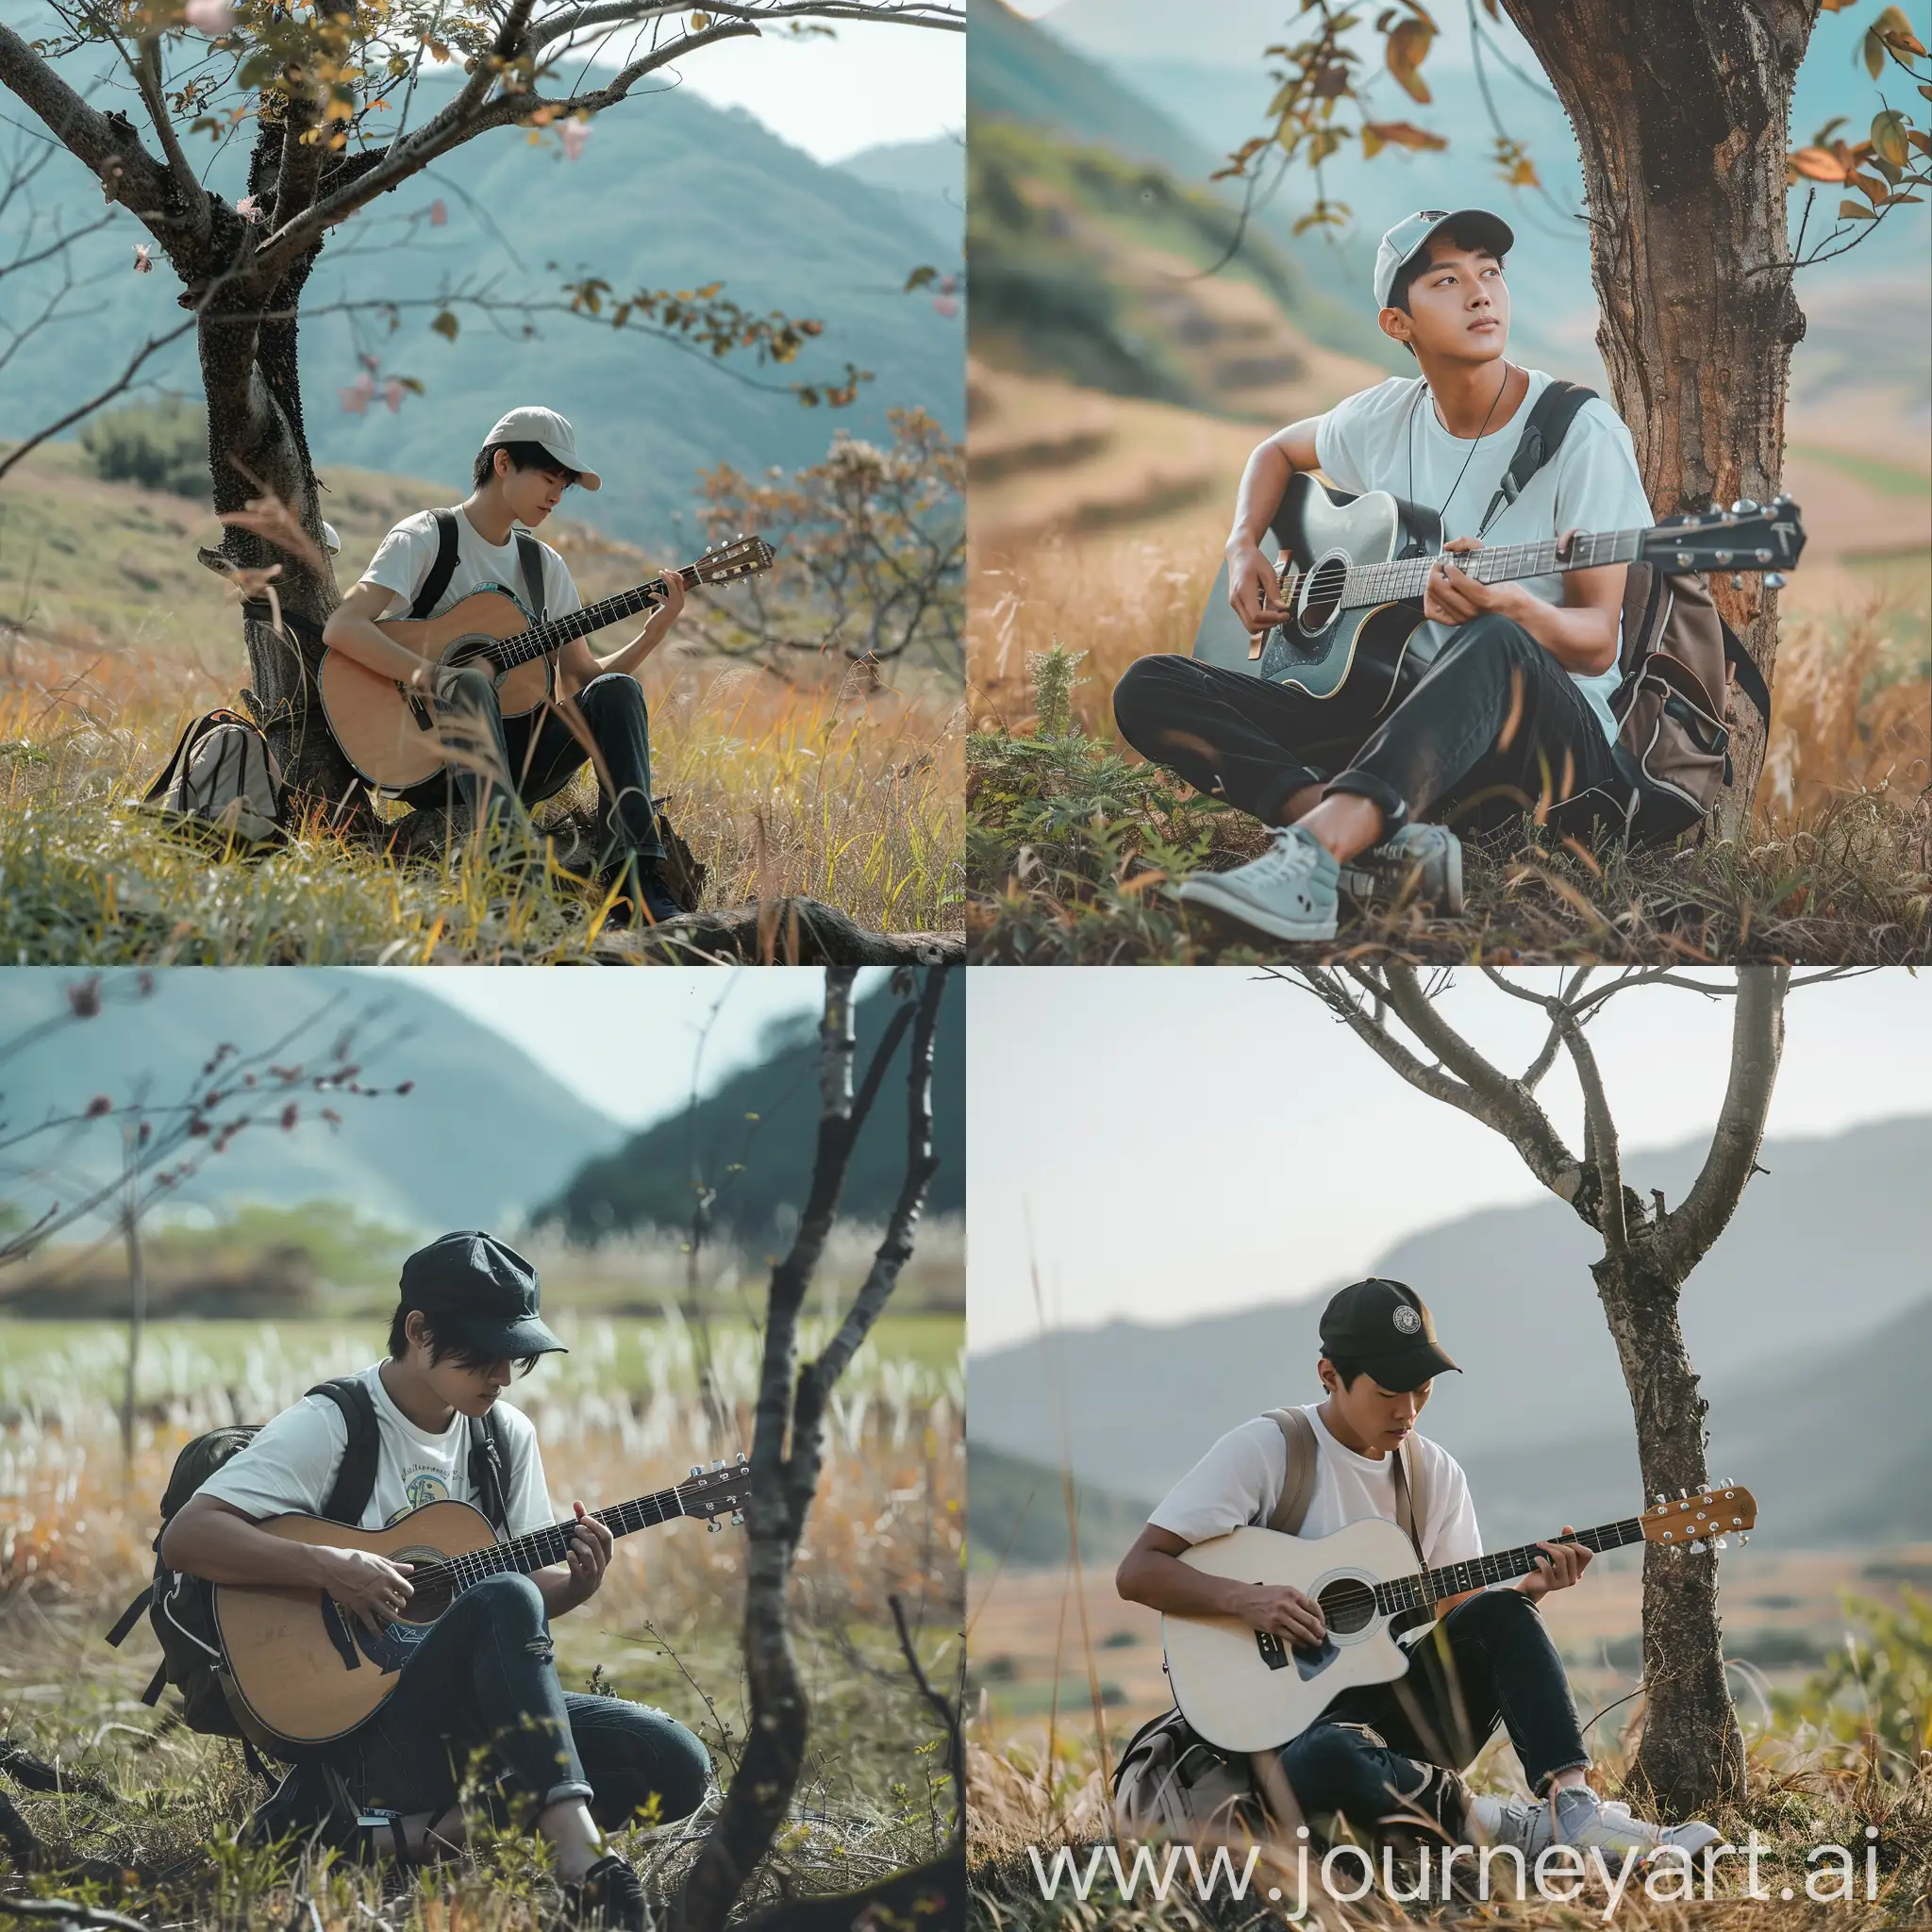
(428, 1602)
(1348, 1605)
(1321, 597)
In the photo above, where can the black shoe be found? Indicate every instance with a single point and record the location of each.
(610, 1894)
(643, 882)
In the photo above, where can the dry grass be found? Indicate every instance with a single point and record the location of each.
(664, 1629)
(1838, 868)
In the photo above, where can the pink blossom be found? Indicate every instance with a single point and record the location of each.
(574, 134)
(949, 285)
(143, 262)
(370, 362)
(210, 16)
(947, 306)
(439, 214)
(249, 206)
(356, 398)
(393, 396)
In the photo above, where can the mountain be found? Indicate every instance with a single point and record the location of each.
(1019, 1514)
(928, 180)
(485, 1132)
(1830, 1244)
(669, 193)
(755, 1137)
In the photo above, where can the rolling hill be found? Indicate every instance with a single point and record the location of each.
(485, 1134)
(755, 1136)
(1832, 1246)
(669, 193)
(1019, 1516)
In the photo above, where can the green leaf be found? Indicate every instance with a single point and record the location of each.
(924, 273)
(1875, 54)
(1889, 136)
(1851, 211)
(447, 325)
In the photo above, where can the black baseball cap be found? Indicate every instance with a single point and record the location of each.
(1386, 1328)
(483, 1294)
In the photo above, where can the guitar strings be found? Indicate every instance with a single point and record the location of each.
(546, 1546)
(1414, 1592)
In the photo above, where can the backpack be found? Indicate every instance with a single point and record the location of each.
(1170, 1782)
(1672, 706)
(222, 781)
(182, 1607)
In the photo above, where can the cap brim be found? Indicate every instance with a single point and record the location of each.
(587, 479)
(1408, 1367)
(1493, 233)
(507, 1340)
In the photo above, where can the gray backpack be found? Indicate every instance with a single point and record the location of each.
(1170, 1782)
(223, 782)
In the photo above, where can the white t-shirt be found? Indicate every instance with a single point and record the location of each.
(1390, 437)
(1239, 1480)
(291, 1463)
(403, 562)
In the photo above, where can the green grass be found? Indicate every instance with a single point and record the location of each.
(1894, 479)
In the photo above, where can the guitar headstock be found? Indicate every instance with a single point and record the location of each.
(743, 557)
(1748, 536)
(723, 1489)
(1702, 1518)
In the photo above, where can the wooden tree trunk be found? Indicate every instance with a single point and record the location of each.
(1692, 1752)
(1681, 108)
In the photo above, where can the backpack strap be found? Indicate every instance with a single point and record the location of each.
(130, 1617)
(1749, 678)
(1543, 436)
(1411, 1504)
(490, 1460)
(445, 568)
(355, 1480)
(1298, 1484)
(530, 553)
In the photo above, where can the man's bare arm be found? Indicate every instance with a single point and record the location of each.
(215, 1541)
(351, 629)
(1152, 1574)
(1253, 588)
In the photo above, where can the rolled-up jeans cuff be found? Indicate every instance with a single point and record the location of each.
(571, 1787)
(1541, 1786)
(1362, 784)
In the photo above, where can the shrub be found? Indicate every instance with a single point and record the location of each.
(162, 447)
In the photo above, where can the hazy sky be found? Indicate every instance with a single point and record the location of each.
(623, 1040)
(869, 86)
(1205, 1139)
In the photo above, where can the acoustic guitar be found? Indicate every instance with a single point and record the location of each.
(388, 733)
(1353, 570)
(299, 1670)
(1248, 1690)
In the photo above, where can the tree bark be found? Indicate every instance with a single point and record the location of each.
(1691, 1751)
(1681, 110)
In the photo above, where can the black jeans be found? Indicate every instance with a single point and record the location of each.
(485, 1678)
(537, 759)
(1494, 726)
(1490, 1661)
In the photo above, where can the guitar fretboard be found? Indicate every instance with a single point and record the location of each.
(1430, 1585)
(542, 639)
(540, 1548)
(1408, 576)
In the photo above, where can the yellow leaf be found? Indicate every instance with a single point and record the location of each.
(1409, 46)
(1874, 191)
(1889, 136)
(1874, 52)
(1399, 134)
(1851, 211)
(1895, 30)
(1524, 175)
(1818, 164)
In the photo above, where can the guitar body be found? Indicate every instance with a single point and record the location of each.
(390, 735)
(1323, 533)
(301, 1671)
(1248, 1690)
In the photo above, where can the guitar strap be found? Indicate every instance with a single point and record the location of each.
(530, 553)
(489, 1467)
(1543, 436)
(445, 568)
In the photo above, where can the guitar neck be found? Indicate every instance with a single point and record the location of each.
(1429, 1586)
(542, 639)
(1408, 577)
(540, 1548)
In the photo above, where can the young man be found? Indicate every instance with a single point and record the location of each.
(526, 464)
(485, 1676)
(1514, 709)
(1383, 1750)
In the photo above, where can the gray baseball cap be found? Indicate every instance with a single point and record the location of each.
(551, 432)
(1410, 236)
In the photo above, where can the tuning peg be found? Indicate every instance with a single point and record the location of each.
(1736, 582)
(1659, 1499)
(714, 1525)
(1773, 581)
(737, 1516)
(1721, 558)
(1681, 1493)
(1744, 1538)
(696, 1470)
(719, 1464)
(1782, 500)
(1743, 508)
(740, 1456)
(1697, 1547)
(1724, 1542)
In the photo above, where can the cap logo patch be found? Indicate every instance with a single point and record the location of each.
(1406, 1320)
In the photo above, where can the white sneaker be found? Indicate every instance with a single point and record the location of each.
(1422, 860)
(1288, 892)
(1584, 1818)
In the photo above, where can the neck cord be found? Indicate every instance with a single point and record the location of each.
(1422, 390)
